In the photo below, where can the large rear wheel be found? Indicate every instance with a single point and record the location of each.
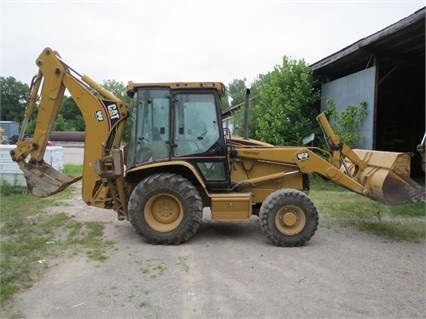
(288, 218)
(165, 209)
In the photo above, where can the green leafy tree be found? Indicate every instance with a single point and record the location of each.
(239, 114)
(14, 95)
(283, 110)
(61, 124)
(224, 101)
(32, 123)
(346, 124)
(119, 90)
(71, 113)
(237, 91)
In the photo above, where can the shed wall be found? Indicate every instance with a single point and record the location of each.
(352, 90)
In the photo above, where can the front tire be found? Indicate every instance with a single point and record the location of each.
(288, 218)
(165, 209)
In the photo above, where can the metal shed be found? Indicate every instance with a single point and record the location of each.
(386, 69)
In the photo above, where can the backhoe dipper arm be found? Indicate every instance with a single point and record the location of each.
(104, 117)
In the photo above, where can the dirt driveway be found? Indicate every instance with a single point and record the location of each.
(230, 271)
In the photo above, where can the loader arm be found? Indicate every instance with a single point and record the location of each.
(385, 175)
(104, 117)
(381, 176)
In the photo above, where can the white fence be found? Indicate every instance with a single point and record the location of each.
(10, 172)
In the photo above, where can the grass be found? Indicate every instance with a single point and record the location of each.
(340, 207)
(152, 267)
(30, 237)
(73, 170)
(183, 263)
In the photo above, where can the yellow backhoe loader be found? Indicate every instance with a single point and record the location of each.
(179, 160)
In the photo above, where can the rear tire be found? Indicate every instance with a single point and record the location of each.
(288, 218)
(165, 209)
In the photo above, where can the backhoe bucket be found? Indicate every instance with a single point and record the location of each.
(43, 180)
(387, 177)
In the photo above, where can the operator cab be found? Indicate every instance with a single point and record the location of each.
(179, 122)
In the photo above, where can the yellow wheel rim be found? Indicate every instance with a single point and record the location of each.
(290, 220)
(163, 212)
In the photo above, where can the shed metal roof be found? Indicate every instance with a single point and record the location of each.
(401, 42)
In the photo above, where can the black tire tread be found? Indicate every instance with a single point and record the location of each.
(270, 208)
(179, 187)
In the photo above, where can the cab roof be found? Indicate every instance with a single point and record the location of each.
(218, 86)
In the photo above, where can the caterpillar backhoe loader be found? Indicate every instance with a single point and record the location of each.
(179, 160)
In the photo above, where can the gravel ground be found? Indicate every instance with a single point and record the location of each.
(229, 270)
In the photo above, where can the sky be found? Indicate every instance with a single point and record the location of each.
(185, 40)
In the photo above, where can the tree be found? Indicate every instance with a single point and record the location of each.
(119, 90)
(71, 114)
(61, 124)
(14, 95)
(224, 101)
(239, 113)
(237, 91)
(283, 109)
(346, 123)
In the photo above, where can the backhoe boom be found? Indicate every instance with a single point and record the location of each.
(104, 117)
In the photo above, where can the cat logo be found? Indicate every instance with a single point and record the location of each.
(303, 156)
(113, 112)
(99, 117)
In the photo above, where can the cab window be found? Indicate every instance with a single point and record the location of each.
(196, 126)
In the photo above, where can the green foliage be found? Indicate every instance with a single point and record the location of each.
(14, 95)
(237, 91)
(283, 110)
(119, 90)
(7, 189)
(72, 115)
(32, 123)
(347, 123)
(238, 116)
(224, 101)
(61, 124)
(73, 169)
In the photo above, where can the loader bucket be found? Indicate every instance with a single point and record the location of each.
(43, 180)
(387, 177)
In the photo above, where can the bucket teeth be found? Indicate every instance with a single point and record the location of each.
(399, 189)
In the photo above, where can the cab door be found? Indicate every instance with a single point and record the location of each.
(197, 134)
(150, 135)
